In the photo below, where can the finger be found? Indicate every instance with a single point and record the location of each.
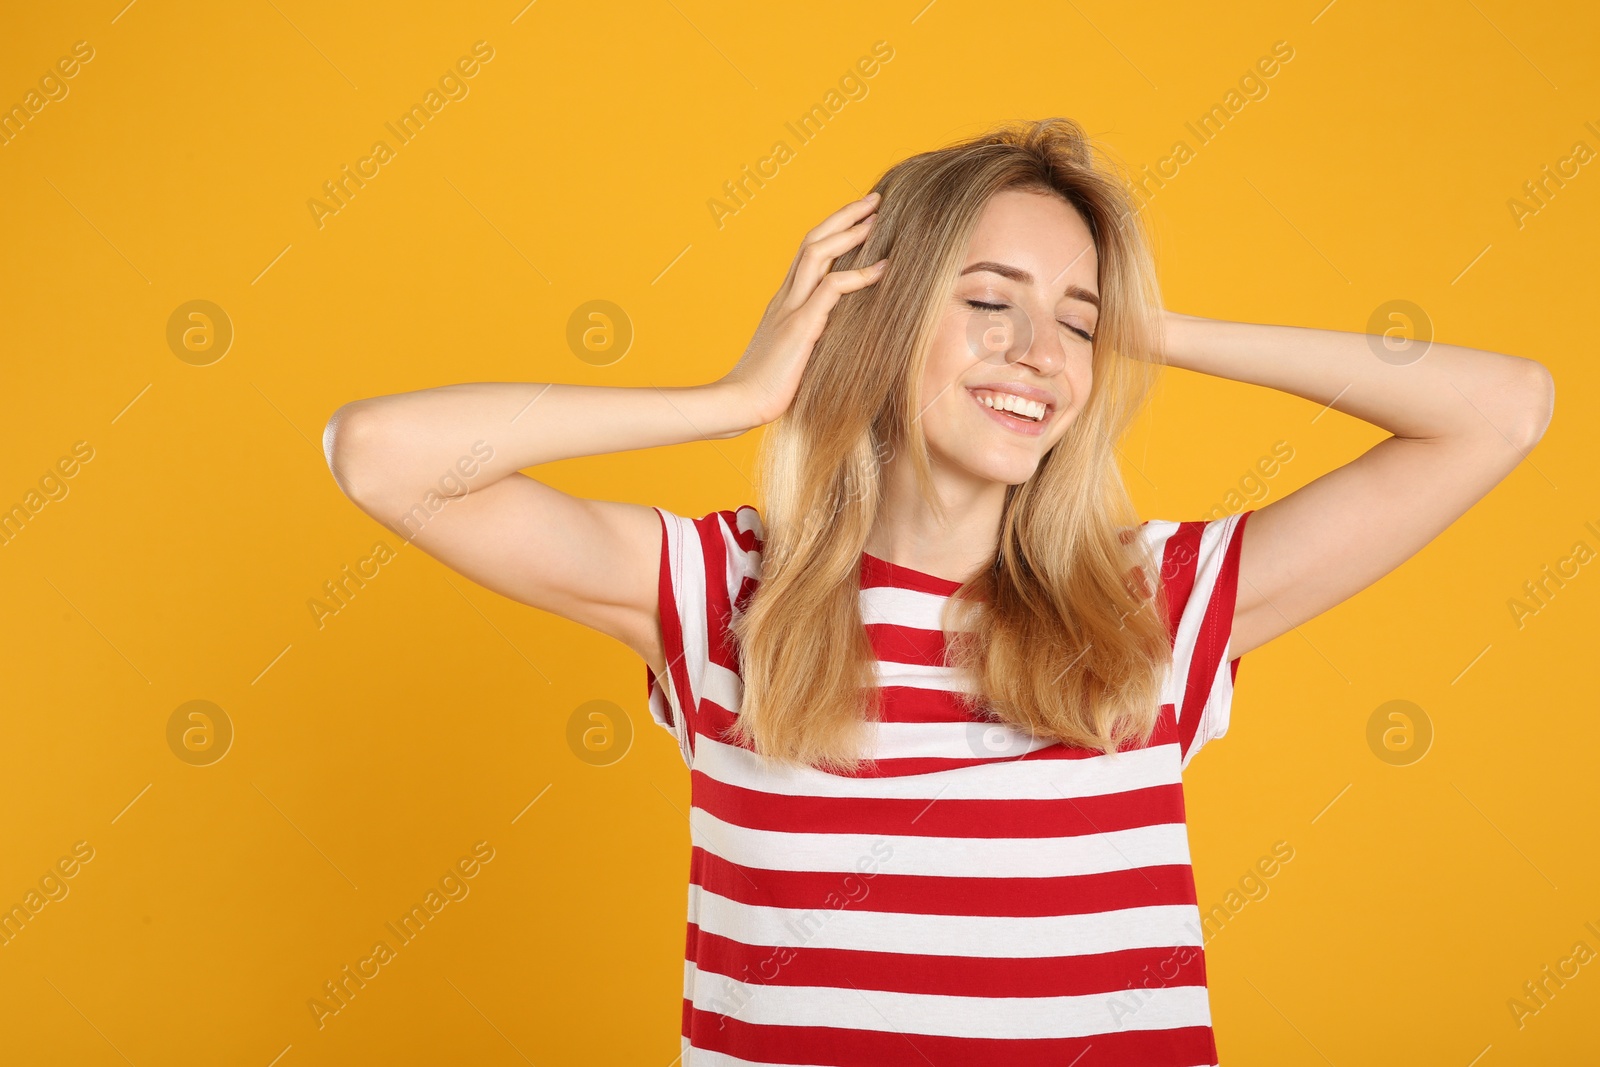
(802, 329)
(837, 283)
(816, 259)
(843, 218)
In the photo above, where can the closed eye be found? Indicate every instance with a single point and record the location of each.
(981, 306)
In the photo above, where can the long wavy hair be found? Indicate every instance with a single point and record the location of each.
(1064, 635)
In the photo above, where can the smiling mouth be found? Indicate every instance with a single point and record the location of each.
(1028, 421)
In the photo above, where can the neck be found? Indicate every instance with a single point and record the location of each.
(908, 532)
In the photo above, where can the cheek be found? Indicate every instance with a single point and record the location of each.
(1080, 379)
(941, 378)
(948, 358)
(943, 421)
(939, 415)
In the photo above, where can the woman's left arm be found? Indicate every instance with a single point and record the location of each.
(1461, 420)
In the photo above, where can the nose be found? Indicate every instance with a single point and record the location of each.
(1010, 336)
(1046, 354)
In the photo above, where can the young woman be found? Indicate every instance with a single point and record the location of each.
(937, 693)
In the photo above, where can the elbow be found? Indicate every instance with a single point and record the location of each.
(1537, 390)
(347, 446)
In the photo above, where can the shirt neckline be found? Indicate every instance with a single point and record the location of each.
(895, 574)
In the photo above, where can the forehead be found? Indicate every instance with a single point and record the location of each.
(1040, 233)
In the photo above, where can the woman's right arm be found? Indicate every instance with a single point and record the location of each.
(442, 469)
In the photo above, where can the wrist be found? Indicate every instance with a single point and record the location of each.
(1176, 331)
(742, 406)
(731, 408)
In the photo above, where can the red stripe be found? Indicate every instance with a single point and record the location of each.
(876, 572)
(916, 816)
(1215, 626)
(714, 720)
(922, 894)
(746, 539)
(719, 607)
(907, 644)
(1180, 562)
(954, 976)
(886, 1048)
(890, 768)
(907, 703)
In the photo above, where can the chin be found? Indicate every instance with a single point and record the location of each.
(1010, 469)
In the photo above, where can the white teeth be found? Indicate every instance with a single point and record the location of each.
(1031, 409)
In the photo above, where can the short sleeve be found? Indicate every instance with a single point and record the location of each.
(708, 568)
(1200, 571)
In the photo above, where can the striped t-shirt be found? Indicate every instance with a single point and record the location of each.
(978, 896)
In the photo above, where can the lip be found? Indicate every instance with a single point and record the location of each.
(1027, 392)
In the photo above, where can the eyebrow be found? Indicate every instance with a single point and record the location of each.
(1017, 274)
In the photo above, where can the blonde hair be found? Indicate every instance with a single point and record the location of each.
(1064, 635)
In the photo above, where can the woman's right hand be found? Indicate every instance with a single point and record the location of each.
(768, 374)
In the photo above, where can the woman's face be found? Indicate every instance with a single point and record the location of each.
(1016, 327)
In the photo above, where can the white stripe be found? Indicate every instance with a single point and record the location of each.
(741, 564)
(1045, 779)
(1215, 715)
(722, 687)
(952, 1016)
(661, 711)
(920, 676)
(1160, 844)
(749, 521)
(980, 936)
(952, 740)
(706, 1058)
(904, 740)
(896, 606)
(686, 566)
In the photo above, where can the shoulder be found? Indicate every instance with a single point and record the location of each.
(719, 551)
(739, 526)
(1186, 545)
(1196, 558)
(742, 523)
(740, 530)
(745, 522)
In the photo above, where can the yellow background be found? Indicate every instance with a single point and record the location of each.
(372, 753)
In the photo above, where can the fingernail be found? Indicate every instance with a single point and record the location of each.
(874, 195)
